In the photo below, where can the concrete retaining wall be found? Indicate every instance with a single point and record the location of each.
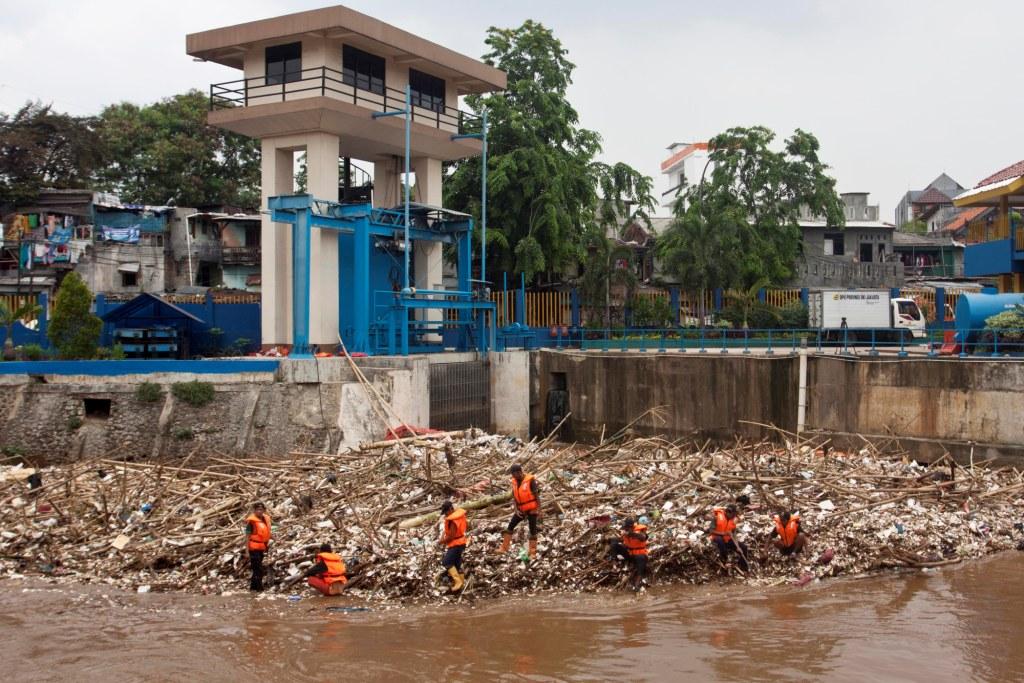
(703, 396)
(968, 408)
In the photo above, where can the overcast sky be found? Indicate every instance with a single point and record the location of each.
(896, 91)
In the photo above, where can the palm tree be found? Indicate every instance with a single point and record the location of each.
(747, 299)
(601, 272)
(10, 316)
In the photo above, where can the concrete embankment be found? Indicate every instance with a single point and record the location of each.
(930, 406)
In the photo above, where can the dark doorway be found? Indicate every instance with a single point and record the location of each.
(866, 252)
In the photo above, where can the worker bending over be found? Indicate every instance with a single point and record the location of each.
(327, 574)
(526, 495)
(632, 547)
(257, 540)
(788, 536)
(723, 535)
(453, 537)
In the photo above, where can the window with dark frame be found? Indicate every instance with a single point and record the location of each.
(838, 242)
(129, 279)
(362, 70)
(427, 91)
(284, 63)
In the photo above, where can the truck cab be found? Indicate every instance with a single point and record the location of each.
(908, 315)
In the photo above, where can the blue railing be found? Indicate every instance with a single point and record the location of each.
(867, 341)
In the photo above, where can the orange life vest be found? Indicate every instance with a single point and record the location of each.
(260, 535)
(634, 545)
(723, 525)
(787, 533)
(455, 528)
(335, 568)
(525, 500)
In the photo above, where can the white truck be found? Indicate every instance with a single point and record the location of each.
(864, 310)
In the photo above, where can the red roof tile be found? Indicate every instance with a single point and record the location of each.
(965, 216)
(932, 196)
(1011, 171)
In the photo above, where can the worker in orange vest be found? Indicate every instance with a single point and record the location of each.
(453, 537)
(788, 536)
(632, 547)
(257, 540)
(723, 535)
(327, 574)
(526, 495)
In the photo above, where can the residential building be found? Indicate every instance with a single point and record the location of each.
(311, 82)
(686, 165)
(995, 239)
(860, 254)
(905, 208)
(929, 256)
(115, 247)
(215, 249)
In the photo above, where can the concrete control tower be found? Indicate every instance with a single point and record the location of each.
(311, 82)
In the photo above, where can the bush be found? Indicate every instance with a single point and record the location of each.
(651, 311)
(74, 330)
(33, 352)
(760, 317)
(148, 392)
(194, 393)
(183, 434)
(117, 353)
(74, 423)
(793, 316)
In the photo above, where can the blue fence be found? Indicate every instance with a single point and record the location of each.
(112, 368)
(239, 325)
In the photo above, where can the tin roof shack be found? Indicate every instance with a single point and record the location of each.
(929, 256)
(149, 327)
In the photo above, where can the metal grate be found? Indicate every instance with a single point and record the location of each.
(460, 395)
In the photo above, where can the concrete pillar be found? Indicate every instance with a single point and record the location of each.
(387, 177)
(277, 169)
(322, 181)
(429, 256)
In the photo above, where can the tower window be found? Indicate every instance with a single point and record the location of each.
(427, 91)
(362, 70)
(284, 63)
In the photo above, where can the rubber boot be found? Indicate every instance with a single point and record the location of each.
(506, 541)
(533, 548)
(456, 579)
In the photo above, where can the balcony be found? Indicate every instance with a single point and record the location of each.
(989, 230)
(240, 256)
(320, 98)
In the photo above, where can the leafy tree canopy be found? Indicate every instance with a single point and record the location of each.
(74, 330)
(740, 227)
(43, 148)
(546, 190)
(166, 152)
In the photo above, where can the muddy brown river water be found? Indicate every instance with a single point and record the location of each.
(957, 624)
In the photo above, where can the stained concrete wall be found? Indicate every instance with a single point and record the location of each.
(928, 407)
(310, 405)
(933, 406)
(703, 396)
(510, 393)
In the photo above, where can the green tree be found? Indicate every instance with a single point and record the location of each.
(740, 225)
(74, 330)
(43, 148)
(166, 152)
(545, 189)
(9, 316)
(602, 271)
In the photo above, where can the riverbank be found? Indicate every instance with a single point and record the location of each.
(177, 525)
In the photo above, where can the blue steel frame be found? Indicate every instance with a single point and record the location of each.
(304, 213)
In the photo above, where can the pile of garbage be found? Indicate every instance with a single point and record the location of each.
(179, 525)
